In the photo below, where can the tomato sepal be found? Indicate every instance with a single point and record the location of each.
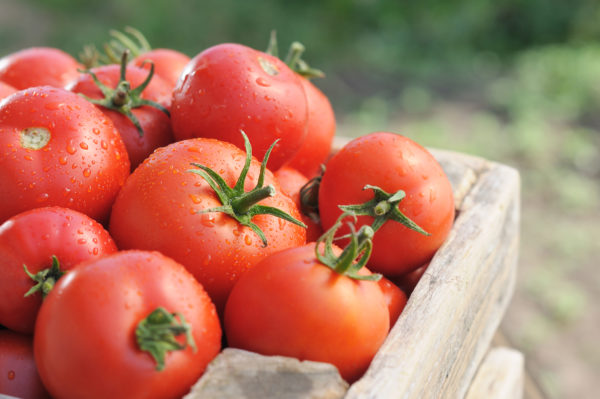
(383, 207)
(45, 278)
(239, 204)
(156, 334)
(123, 98)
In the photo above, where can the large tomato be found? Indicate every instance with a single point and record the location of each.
(320, 131)
(391, 162)
(158, 209)
(18, 374)
(231, 87)
(97, 327)
(32, 239)
(38, 66)
(154, 124)
(291, 304)
(56, 148)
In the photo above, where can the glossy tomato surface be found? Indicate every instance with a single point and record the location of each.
(155, 124)
(18, 373)
(38, 66)
(168, 63)
(158, 207)
(31, 238)
(85, 337)
(320, 131)
(231, 87)
(391, 162)
(57, 149)
(292, 305)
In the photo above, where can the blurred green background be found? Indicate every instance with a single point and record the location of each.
(515, 81)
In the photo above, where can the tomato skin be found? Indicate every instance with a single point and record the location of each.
(105, 299)
(6, 90)
(168, 63)
(225, 89)
(292, 305)
(82, 166)
(392, 162)
(291, 182)
(157, 210)
(18, 372)
(394, 297)
(38, 66)
(320, 131)
(31, 238)
(155, 123)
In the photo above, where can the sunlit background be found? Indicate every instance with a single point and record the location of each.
(515, 81)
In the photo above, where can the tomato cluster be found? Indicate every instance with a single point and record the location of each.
(139, 234)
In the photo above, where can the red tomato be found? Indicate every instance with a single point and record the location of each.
(319, 138)
(31, 238)
(394, 297)
(230, 87)
(158, 207)
(168, 63)
(290, 304)
(6, 90)
(38, 66)
(18, 373)
(291, 181)
(86, 336)
(58, 149)
(391, 162)
(154, 123)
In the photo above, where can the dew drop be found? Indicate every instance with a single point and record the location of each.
(42, 197)
(87, 172)
(207, 219)
(262, 82)
(71, 148)
(83, 145)
(82, 241)
(11, 375)
(247, 240)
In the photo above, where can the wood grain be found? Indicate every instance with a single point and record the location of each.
(500, 376)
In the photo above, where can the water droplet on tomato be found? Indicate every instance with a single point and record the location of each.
(71, 148)
(42, 197)
(104, 145)
(247, 240)
(11, 375)
(96, 131)
(207, 219)
(87, 172)
(83, 145)
(82, 241)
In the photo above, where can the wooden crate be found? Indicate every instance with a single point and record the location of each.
(437, 345)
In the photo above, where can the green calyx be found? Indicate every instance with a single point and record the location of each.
(353, 257)
(239, 204)
(45, 278)
(383, 207)
(123, 98)
(293, 58)
(135, 43)
(157, 334)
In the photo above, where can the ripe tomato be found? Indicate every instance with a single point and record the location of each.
(394, 297)
(158, 209)
(154, 124)
(32, 238)
(291, 181)
(391, 162)
(38, 66)
(6, 90)
(409, 281)
(88, 333)
(56, 148)
(18, 373)
(168, 63)
(291, 304)
(231, 87)
(320, 131)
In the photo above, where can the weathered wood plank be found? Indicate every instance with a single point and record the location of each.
(438, 342)
(500, 376)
